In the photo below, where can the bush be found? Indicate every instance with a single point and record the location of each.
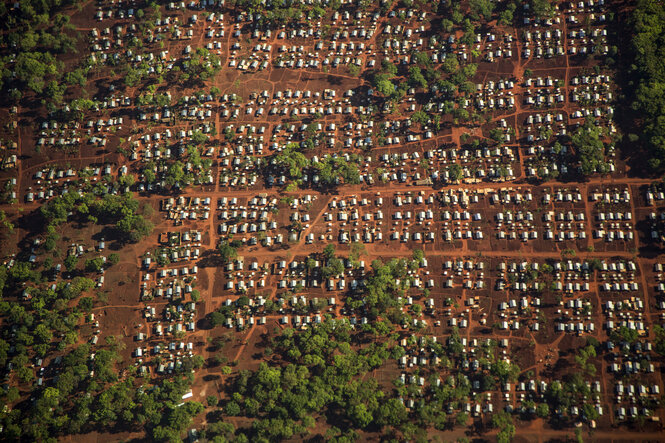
(70, 262)
(85, 304)
(94, 265)
(232, 408)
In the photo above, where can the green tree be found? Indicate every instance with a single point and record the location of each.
(648, 79)
(482, 8)
(589, 147)
(416, 77)
(455, 172)
(542, 9)
(384, 87)
(227, 251)
(391, 412)
(232, 409)
(94, 265)
(199, 138)
(389, 68)
(329, 251)
(659, 345)
(85, 303)
(450, 64)
(542, 410)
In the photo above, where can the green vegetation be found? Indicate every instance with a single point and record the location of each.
(590, 149)
(94, 265)
(292, 163)
(39, 31)
(624, 334)
(504, 422)
(227, 251)
(416, 78)
(281, 13)
(203, 65)
(320, 377)
(383, 85)
(84, 395)
(507, 16)
(330, 169)
(87, 389)
(659, 346)
(79, 404)
(178, 174)
(455, 172)
(118, 210)
(382, 287)
(542, 9)
(648, 72)
(481, 8)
